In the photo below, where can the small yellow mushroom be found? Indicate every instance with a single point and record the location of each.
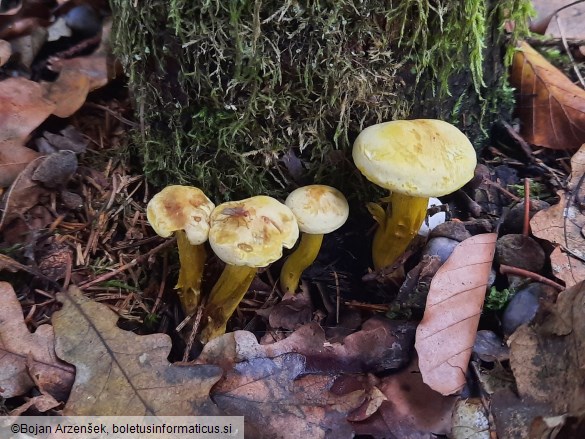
(319, 209)
(246, 235)
(184, 211)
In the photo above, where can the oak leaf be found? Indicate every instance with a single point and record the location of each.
(23, 354)
(445, 336)
(121, 373)
(550, 107)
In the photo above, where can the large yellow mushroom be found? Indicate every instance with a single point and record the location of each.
(415, 160)
(319, 209)
(184, 211)
(246, 235)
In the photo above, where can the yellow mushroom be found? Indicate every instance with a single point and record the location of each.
(415, 160)
(319, 209)
(184, 211)
(246, 235)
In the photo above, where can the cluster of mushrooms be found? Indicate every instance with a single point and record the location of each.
(414, 159)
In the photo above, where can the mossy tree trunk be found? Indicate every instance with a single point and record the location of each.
(254, 97)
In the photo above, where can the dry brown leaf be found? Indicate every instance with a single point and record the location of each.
(121, 373)
(411, 410)
(68, 92)
(23, 354)
(550, 107)
(22, 195)
(562, 224)
(278, 399)
(567, 268)
(445, 336)
(548, 360)
(570, 18)
(5, 51)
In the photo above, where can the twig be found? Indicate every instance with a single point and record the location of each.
(338, 296)
(507, 269)
(194, 330)
(140, 259)
(568, 50)
(526, 228)
(552, 42)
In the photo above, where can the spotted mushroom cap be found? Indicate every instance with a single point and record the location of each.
(318, 208)
(422, 157)
(180, 208)
(252, 232)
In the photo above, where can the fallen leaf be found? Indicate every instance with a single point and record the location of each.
(571, 18)
(41, 403)
(68, 92)
(445, 336)
(121, 373)
(380, 345)
(547, 359)
(13, 159)
(562, 225)
(278, 399)
(411, 410)
(566, 267)
(22, 195)
(5, 51)
(470, 420)
(550, 107)
(23, 354)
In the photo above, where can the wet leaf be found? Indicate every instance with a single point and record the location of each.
(547, 359)
(23, 354)
(121, 373)
(445, 336)
(278, 399)
(550, 107)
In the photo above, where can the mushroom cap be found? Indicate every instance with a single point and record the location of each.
(423, 157)
(180, 208)
(318, 208)
(252, 232)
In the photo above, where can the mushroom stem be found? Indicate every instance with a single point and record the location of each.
(403, 219)
(299, 260)
(192, 261)
(227, 293)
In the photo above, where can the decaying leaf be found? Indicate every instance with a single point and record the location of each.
(445, 336)
(278, 399)
(562, 224)
(550, 107)
(380, 345)
(548, 359)
(411, 409)
(5, 51)
(23, 354)
(121, 373)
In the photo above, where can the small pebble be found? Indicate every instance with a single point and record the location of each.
(522, 308)
(441, 247)
(520, 251)
(84, 21)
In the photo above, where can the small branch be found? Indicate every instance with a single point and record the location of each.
(139, 260)
(526, 228)
(507, 269)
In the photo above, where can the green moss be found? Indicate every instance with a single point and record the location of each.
(227, 89)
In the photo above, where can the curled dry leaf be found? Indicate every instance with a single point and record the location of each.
(23, 354)
(550, 107)
(445, 336)
(562, 224)
(124, 373)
